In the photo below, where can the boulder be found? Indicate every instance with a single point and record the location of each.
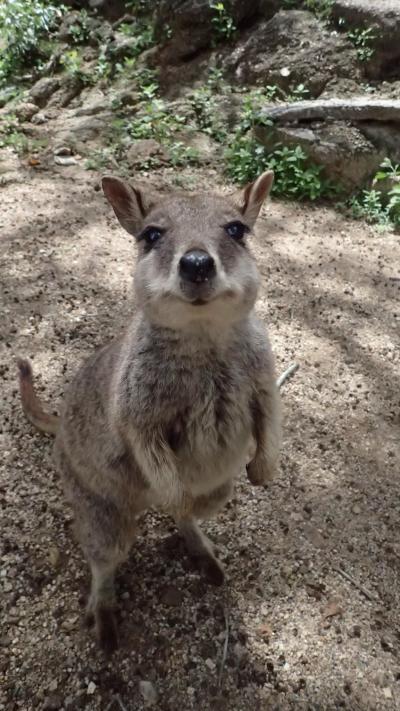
(206, 149)
(25, 110)
(385, 136)
(191, 25)
(144, 150)
(348, 158)
(72, 131)
(383, 16)
(292, 48)
(70, 87)
(41, 91)
(355, 109)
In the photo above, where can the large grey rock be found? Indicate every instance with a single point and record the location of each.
(191, 24)
(143, 151)
(70, 87)
(292, 48)
(72, 131)
(383, 16)
(358, 108)
(385, 136)
(347, 157)
(41, 91)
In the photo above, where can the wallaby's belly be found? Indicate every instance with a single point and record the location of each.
(215, 447)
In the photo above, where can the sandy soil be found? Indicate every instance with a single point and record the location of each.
(302, 635)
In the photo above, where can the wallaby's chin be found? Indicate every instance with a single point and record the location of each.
(216, 310)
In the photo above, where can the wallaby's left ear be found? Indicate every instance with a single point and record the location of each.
(254, 195)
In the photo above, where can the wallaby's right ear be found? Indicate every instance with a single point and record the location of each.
(129, 204)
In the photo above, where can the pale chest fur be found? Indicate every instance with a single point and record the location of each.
(199, 404)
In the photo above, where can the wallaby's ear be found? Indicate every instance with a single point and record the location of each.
(254, 195)
(129, 203)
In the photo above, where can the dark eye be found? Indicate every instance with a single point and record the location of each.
(150, 235)
(236, 230)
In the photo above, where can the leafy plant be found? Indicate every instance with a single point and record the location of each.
(387, 170)
(362, 40)
(376, 206)
(295, 176)
(11, 136)
(222, 21)
(368, 205)
(80, 29)
(142, 34)
(321, 8)
(22, 24)
(206, 114)
(181, 155)
(73, 65)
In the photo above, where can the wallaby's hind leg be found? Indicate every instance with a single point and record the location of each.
(100, 609)
(106, 532)
(201, 549)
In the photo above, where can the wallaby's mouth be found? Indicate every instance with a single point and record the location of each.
(199, 302)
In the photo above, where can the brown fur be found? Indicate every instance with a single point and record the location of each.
(166, 416)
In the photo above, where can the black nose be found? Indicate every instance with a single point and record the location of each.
(196, 266)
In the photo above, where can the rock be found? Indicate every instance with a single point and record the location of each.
(383, 16)
(70, 87)
(172, 596)
(292, 48)
(355, 109)
(93, 107)
(25, 110)
(73, 21)
(347, 157)
(191, 24)
(65, 160)
(91, 688)
(41, 91)
(383, 135)
(149, 692)
(144, 150)
(122, 46)
(6, 95)
(112, 10)
(81, 129)
(52, 702)
(203, 144)
(62, 151)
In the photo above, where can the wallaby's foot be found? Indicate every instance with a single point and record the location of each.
(106, 629)
(100, 611)
(202, 551)
(102, 618)
(261, 471)
(211, 567)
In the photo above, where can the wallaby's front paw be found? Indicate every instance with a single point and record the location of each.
(260, 471)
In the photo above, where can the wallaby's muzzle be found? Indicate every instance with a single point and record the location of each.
(197, 266)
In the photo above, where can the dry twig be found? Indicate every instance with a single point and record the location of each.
(225, 648)
(369, 595)
(287, 374)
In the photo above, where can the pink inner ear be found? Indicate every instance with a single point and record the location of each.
(261, 188)
(116, 192)
(246, 196)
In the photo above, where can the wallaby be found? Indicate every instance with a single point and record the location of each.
(170, 413)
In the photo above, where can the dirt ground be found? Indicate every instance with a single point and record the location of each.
(309, 615)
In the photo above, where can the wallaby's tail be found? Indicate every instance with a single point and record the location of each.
(31, 404)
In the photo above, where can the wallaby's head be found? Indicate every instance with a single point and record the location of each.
(194, 264)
